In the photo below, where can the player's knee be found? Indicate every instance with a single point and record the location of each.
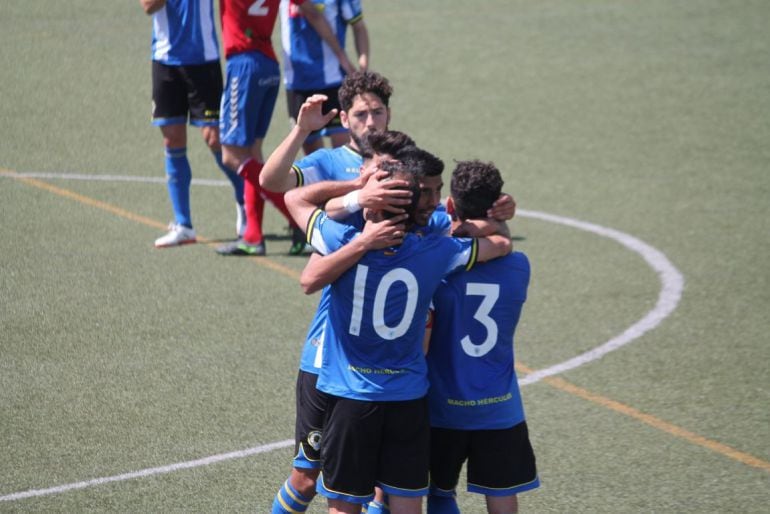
(304, 480)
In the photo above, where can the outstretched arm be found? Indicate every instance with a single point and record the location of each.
(277, 174)
(324, 30)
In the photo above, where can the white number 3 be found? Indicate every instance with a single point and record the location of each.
(258, 8)
(490, 292)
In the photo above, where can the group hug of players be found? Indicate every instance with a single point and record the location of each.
(407, 371)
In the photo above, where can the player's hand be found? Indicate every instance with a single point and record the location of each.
(385, 195)
(385, 233)
(503, 209)
(311, 117)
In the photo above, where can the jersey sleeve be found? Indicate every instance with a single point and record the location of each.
(350, 11)
(327, 235)
(310, 169)
(465, 256)
(440, 221)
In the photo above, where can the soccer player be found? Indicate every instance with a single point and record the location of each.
(476, 411)
(313, 66)
(299, 489)
(373, 366)
(364, 98)
(253, 80)
(186, 86)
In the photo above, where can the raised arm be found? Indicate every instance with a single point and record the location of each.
(324, 30)
(277, 174)
(152, 6)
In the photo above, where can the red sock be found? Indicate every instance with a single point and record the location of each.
(253, 201)
(277, 200)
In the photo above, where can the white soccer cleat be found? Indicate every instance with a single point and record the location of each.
(240, 220)
(177, 235)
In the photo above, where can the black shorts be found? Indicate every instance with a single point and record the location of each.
(375, 443)
(500, 462)
(308, 428)
(295, 99)
(179, 92)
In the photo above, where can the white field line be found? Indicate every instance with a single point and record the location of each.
(151, 471)
(672, 284)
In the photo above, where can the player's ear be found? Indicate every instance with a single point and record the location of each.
(344, 119)
(450, 206)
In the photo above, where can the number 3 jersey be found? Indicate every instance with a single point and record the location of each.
(471, 356)
(377, 312)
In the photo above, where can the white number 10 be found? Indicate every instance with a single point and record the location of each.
(378, 309)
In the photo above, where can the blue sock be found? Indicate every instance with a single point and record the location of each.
(288, 501)
(179, 177)
(232, 176)
(442, 505)
(376, 507)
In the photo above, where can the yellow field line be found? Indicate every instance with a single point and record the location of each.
(723, 449)
(66, 193)
(556, 382)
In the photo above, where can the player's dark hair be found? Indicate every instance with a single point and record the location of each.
(388, 142)
(398, 170)
(420, 161)
(474, 188)
(360, 82)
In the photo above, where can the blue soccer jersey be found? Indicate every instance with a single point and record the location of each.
(183, 33)
(308, 62)
(377, 311)
(472, 380)
(312, 352)
(341, 163)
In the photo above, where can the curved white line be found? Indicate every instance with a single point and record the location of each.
(672, 284)
(150, 471)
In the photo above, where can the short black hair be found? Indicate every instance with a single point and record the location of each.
(360, 82)
(420, 161)
(474, 188)
(399, 170)
(388, 142)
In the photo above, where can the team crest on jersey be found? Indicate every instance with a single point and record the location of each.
(314, 439)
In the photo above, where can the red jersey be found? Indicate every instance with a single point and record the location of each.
(247, 25)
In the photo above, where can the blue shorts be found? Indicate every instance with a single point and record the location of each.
(249, 96)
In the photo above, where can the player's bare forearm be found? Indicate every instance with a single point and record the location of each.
(277, 175)
(329, 196)
(324, 30)
(494, 246)
(361, 38)
(323, 270)
(152, 6)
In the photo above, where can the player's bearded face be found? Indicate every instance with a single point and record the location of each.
(367, 114)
